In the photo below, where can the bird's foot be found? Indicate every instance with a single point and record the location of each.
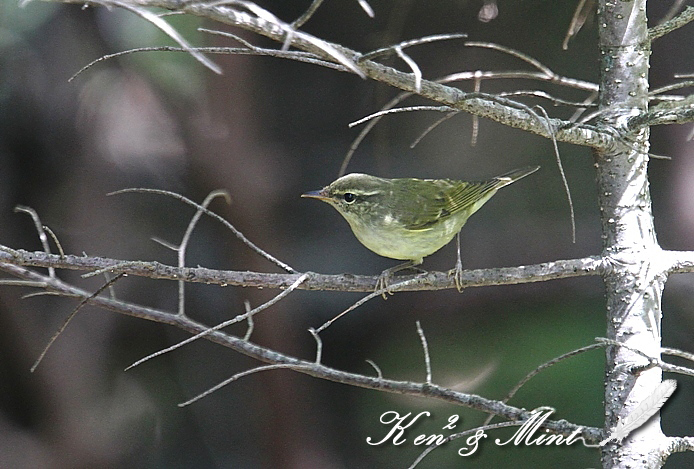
(457, 273)
(383, 282)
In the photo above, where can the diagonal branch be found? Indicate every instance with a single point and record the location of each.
(506, 112)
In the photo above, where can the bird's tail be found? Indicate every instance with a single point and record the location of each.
(516, 174)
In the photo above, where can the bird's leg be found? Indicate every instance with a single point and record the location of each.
(458, 271)
(383, 281)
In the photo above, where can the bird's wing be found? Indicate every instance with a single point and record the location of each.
(467, 194)
(451, 198)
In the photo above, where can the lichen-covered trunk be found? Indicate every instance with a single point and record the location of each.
(633, 279)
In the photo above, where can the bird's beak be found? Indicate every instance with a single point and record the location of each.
(321, 195)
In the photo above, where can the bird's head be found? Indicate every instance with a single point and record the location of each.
(353, 195)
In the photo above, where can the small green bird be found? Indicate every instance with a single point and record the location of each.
(409, 219)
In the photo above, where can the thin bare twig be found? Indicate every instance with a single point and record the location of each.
(432, 127)
(677, 353)
(61, 253)
(367, 8)
(249, 320)
(579, 18)
(181, 249)
(507, 50)
(166, 28)
(365, 131)
(477, 83)
(8, 282)
(291, 34)
(651, 361)
(413, 66)
(297, 56)
(212, 214)
(674, 86)
(546, 74)
(409, 43)
(588, 102)
(240, 375)
(70, 316)
(319, 344)
(379, 292)
(400, 109)
(111, 289)
(463, 451)
(562, 174)
(222, 325)
(46, 293)
(425, 348)
(373, 364)
(541, 94)
(542, 367)
(300, 21)
(39, 230)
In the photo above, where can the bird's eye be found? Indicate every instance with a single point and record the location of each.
(349, 197)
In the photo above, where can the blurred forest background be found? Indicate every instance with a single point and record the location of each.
(266, 131)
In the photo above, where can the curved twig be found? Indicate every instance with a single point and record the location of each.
(212, 214)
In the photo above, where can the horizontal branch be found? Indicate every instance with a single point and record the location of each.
(680, 262)
(501, 110)
(339, 282)
(310, 368)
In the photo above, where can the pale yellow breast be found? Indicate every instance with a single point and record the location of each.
(389, 239)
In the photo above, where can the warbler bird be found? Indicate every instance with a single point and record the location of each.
(408, 219)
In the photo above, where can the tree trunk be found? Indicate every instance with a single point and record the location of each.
(634, 281)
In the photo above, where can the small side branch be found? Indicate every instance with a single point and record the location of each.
(542, 367)
(668, 112)
(425, 348)
(212, 214)
(678, 445)
(41, 232)
(680, 262)
(669, 26)
(70, 316)
(238, 376)
(222, 325)
(166, 28)
(465, 451)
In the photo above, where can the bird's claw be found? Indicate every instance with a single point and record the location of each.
(457, 273)
(383, 283)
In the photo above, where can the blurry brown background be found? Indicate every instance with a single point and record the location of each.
(266, 131)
